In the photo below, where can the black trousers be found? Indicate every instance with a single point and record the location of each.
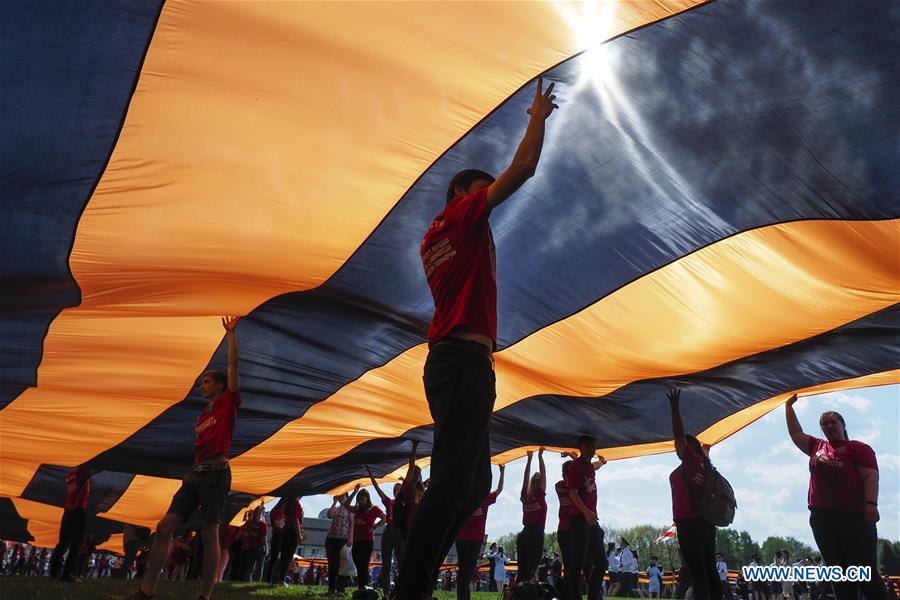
(362, 552)
(467, 552)
(564, 538)
(274, 555)
(460, 387)
(586, 553)
(529, 547)
(390, 548)
(71, 530)
(845, 538)
(697, 539)
(333, 554)
(286, 548)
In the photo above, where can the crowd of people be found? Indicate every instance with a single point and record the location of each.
(424, 519)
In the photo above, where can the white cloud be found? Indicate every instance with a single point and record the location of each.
(855, 401)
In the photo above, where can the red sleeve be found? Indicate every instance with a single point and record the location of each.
(234, 399)
(378, 513)
(468, 210)
(865, 456)
(814, 443)
(573, 476)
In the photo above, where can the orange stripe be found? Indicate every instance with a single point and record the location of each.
(729, 300)
(230, 183)
(713, 435)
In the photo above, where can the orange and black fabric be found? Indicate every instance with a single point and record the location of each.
(716, 207)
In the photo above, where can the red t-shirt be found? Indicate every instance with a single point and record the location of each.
(683, 504)
(534, 509)
(282, 512)
(254, 534)
(407, 496)
(388, 510)
(834, 480)
(459, 261)
(216, 426)
(473, 529)
(363, 523)
(580, 477)
(78, 488)
(565, 505)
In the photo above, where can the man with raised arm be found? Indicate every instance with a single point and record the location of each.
(206, 486)
(458, 258)
(389, 536)
(586, 538)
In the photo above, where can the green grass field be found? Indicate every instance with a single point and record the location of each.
(22, 588)
(16, 588)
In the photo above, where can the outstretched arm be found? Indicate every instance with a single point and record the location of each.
(542, 468)
(527, 473)
(234, 382)
(599, 462)
(500, 483)
(674, 396)
(381, 494)
(528, 154)
(412, 460)
(352, 494)
(795, 430)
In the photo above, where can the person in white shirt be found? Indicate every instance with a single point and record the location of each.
(500, 562)
(628, 570)
(614, 566)
(722, 569)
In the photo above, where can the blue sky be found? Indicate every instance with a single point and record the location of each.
(769, 474)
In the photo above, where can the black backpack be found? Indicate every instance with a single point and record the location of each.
(531, 591)
(716, 502)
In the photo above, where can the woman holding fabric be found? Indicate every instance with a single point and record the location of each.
(530, 542)
(843, 499)
(366, 517)
(696, 536)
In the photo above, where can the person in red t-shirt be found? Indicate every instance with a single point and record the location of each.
(843, 499)
(366, 518)
(564, 528)
(696, 536)
(458, 257)
(287, 529)
(389, 536)
(586, 547)
(207, 485)
(71, 528)
(530, 542)
(470, 541)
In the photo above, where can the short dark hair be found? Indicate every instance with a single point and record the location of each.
(218, 376)
(466, 178)
(586, 437)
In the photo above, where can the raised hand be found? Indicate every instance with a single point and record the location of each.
(543, 103)
(674, 394)
(230, 322)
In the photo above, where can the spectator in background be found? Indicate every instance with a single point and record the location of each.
(500, 562)
(654, 575)
(722, 570)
